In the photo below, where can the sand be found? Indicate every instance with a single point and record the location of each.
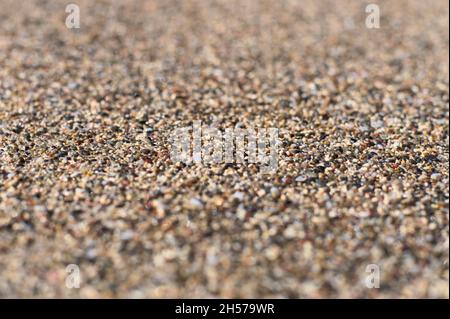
(86, 176)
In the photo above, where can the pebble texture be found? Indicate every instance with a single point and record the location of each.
(86, 177)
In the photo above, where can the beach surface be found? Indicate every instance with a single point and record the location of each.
(86, 176)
